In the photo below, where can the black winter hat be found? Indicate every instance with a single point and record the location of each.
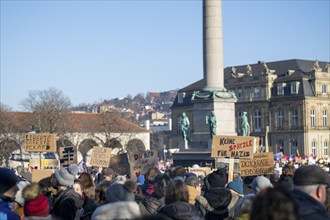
(310, 175)
(218, 178)
(8, 179)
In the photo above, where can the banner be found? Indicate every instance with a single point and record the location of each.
(40, 142)
(38, 175)
(233, 146)
(100, 156)
(262, 163)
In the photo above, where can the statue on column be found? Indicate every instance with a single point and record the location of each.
(184, 126)
(245, 127)
(212, 122)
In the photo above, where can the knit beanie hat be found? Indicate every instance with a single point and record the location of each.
(236, 185)
(120, 179)
(218, 178)
(118, 192)
(260, 183)
(8, 179)
(66, 176)
(36, 203)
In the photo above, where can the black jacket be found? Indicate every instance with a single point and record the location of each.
(67, 204)
(149, 206)
(214, 203)
(178, 210)
(308, 207)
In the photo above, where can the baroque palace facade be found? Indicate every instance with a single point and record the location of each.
(287, 103)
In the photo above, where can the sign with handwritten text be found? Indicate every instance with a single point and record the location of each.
(233, 146)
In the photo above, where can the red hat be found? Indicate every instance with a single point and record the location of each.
(37, 207)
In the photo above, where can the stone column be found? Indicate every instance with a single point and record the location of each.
(212, 44)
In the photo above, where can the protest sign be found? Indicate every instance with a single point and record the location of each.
(45, 163)
(100, 156)
(67, 156)
(38, 175)
(149, 159)
(232, 146)
(119, 163)
(200, 171)
(40, 142)
(262, 163)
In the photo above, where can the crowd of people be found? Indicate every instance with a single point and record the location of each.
(301, 193)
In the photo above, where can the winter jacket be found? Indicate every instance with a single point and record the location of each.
(117, 210)
(308, 207)
(179, 210)
(149, 206)
(285, 182)
(89, 207)
(214, 203)
(67, 204)
(5, 211)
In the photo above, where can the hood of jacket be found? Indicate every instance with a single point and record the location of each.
(219, 198)
(180, 210)
(117, 210)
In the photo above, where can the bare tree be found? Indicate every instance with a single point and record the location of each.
(9, 141)
(50, 109)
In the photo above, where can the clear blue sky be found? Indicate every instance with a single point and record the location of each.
(96, 50)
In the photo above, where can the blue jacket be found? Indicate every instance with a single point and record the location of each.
(5, 211)
(308, 207)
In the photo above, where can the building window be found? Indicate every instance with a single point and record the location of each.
(325, 118)
(313, 118)
(314, 147)
(294, 88)
(280, 118)
(239, 93)
(256, 92)
(325, 148)
(294, 118)
(257, 120)
(280, 90)
(324, 89)
(239, 121)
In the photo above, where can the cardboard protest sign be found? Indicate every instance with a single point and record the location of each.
(67, 156)
(45, 163)
(149, 159)
(141, 162)
(120, 164)
(262, 163)
(232, 146)
(40, 142)
(100, 156)
(38, 175)
(201, 171)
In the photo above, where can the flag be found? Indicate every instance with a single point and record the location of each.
(297, 152)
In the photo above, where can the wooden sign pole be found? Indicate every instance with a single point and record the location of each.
(231, 170)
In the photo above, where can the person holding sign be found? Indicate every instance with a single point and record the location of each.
(245, 127)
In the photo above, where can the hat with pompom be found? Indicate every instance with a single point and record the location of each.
(36, 203)
(66, 176)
